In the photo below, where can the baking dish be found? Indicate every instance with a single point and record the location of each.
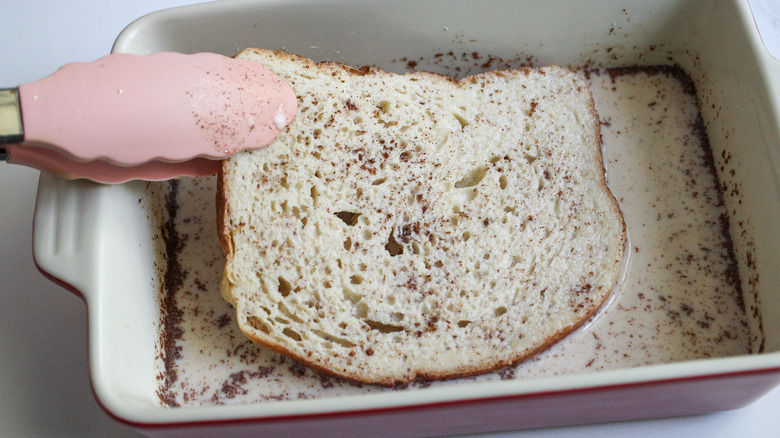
(101, 240)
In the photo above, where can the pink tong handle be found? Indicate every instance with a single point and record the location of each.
(149, 117)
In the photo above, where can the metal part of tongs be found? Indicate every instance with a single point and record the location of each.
(11, 130)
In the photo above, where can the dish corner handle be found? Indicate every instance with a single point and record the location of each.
(62, 240)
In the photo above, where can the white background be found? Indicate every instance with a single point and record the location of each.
(44, 382)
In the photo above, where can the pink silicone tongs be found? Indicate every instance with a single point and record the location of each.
(151, 117)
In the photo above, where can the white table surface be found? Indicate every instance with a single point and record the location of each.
(44, 381)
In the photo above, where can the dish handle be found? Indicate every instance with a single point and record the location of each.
(64, 238)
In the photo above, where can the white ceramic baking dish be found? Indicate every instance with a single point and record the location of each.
(100, 241)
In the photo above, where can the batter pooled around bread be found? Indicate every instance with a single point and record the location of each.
(411, 226)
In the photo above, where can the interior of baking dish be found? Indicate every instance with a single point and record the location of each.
(122, 248)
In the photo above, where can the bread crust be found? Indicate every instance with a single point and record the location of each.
(314, 361)
(420, 376)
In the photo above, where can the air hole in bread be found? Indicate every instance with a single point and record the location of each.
(415, 248)
(473, 178)
(333, 338)
(258, 324)
(356, 279)
(348, 243)
(500, 311)
(530, 158)
(392, 246)
(461, 120)
(362, 309)
(466, 236)
(286, 312)
(379, 181)
(292, 334)
(281, 320)
(284, 287)
(315, 194)
(348, 217)
(383, 328)
(463, 323)
(284, 183)
(502, 183)
(352, 296)
(384, 106)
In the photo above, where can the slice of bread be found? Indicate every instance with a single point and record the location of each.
(411, 226)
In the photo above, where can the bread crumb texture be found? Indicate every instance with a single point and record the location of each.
(410, 226)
